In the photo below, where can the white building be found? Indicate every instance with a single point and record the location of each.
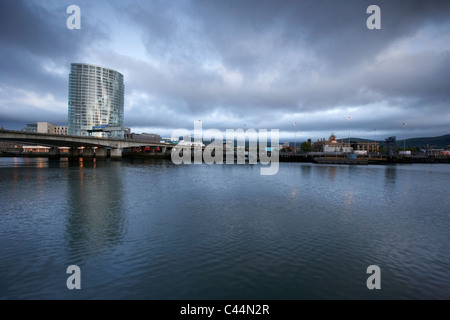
(42, 149)
(96, 99)
(47, 127)
(330, 148)
(184, 143)
(62, 130)
(44, 127)
(333, 146)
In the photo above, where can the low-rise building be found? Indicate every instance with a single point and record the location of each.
(61, 130)
(170, 140)
(42, 149)
(332, 145)
(30, 127)
(45, 127)
(143, 137)
(366, 146)
(10, 147)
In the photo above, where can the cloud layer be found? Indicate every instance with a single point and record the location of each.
(258, 64)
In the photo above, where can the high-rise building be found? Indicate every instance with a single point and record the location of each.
(96, 97)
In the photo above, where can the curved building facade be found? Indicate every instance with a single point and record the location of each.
(96, 101)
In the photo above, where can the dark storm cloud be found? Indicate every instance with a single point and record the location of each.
(260, 63)
(36, 49)
(254, 37)
(333, 30)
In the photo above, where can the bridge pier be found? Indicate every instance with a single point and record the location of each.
(101, 153)
(74, 154)
(54, 153)
(88, 153)
(116, 154)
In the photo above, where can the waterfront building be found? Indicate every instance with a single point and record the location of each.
(170, 140)
(96, 101)
(332, 145)
(42, 149)
(143, 137)
(62, 130)
(45, 127)
(187, 143)
(366, 146)
(10, 146)
(30, 127)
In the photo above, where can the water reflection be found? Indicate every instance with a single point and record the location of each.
(141, 231)
(86, 163)
(96, 217)
(294, 192)
(306, 170)
(348, 199)
(390, 175)
(159, 162)
(332, 173)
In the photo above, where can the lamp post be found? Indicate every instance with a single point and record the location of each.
(375, 147)
(349, 144)
(244, 139)
(295, 138)
(404, 136)
(197, 126)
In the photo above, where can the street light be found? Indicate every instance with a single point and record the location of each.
(349, 118)
(404, 134)
(375, 147)
(295, 138)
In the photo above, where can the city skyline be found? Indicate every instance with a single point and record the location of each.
(237, 65)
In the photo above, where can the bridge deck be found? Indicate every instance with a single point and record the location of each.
(54, 140)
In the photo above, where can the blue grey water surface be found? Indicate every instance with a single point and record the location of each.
(149, 229)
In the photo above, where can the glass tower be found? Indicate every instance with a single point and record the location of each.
(95, 101)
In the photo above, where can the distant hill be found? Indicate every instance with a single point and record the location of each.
(436, 142)
(432, 142)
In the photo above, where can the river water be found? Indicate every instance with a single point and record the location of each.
(149, 229)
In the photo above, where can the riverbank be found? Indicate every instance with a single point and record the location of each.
(322, 159)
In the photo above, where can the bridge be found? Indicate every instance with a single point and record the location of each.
(88, 144)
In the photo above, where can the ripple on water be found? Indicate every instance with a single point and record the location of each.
(147, 230)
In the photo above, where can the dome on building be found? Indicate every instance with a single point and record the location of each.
(332, 138)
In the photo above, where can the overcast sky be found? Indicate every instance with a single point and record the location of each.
(237, 64)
